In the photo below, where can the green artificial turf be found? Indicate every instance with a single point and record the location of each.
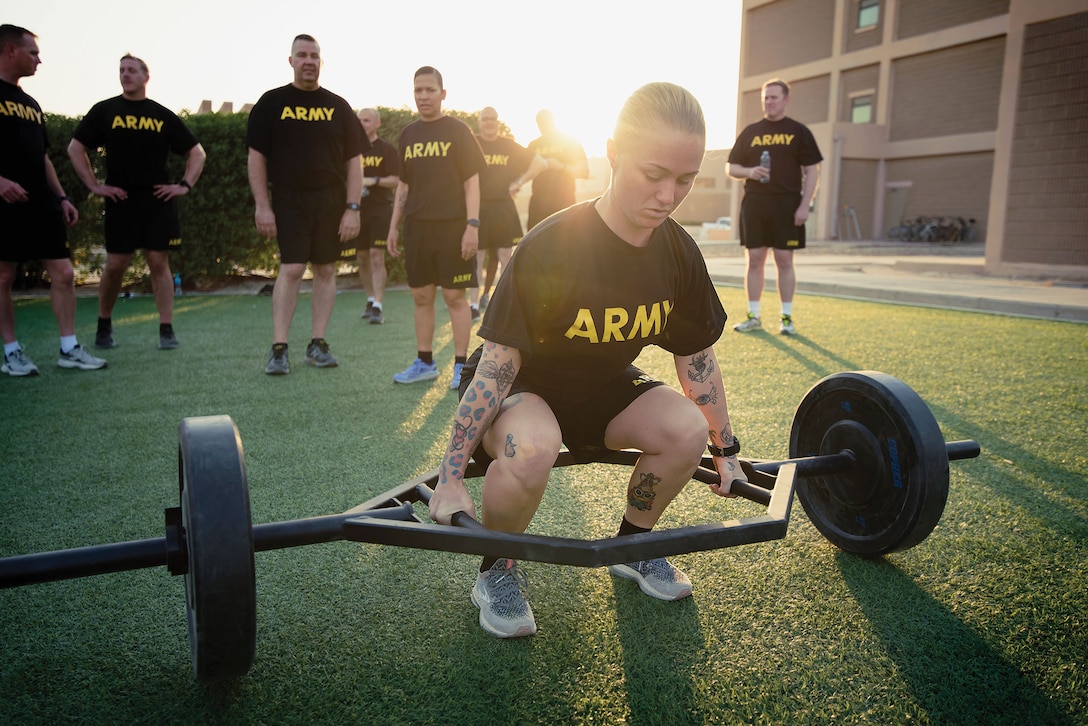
(984, 622)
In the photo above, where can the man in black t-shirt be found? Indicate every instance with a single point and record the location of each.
(438, 197)
(34, 210)
(381, 172)
(509, 167)
(554, 188)
(305, 143)
(138, 136)
(776, 199)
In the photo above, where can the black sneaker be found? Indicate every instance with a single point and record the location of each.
(318, 355)
(104, 339)
(376, 317)
(475, 313)
(278, 364)
(168, 341)
(369, 310)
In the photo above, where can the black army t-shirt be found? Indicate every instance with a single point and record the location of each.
(581, 304)
(306, 136)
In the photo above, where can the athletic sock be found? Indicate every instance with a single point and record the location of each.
(105, 325)
(10, 348)
(67, 342)
(377, 305)
(627, 528)
(753, 308)
(787, 309)
(460, 359)
(488, 563)
(166, 328)
(426, 356)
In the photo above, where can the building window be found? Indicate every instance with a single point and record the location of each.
(868, 14)
(861, 109)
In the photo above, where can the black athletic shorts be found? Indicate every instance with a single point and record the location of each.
(500, 226)
(432, 254)
(766, 220)
(33, 230)
(582, 424)
(372, 234)
(141, 222)
(308, 224)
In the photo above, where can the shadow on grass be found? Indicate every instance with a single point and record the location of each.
(661, 642)
(1061, 480)
(954, 674)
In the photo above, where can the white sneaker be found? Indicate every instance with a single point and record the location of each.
(786, 327)
(17, 364)
(78, 357)
(750, 323)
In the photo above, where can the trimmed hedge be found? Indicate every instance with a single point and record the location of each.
(220, 239)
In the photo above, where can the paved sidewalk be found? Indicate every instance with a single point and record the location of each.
(943, 276)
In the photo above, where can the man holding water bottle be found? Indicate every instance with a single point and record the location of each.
(780, 162)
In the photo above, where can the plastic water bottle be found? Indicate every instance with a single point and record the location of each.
(765, 162)
(177, 283)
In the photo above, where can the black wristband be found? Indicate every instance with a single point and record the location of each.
(473, 223)
(728, 451)
(185, 184)
(63, 198)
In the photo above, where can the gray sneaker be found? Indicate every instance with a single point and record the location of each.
(278, 363)
(750, 323)
(169, 341)
(500, 595)
(657, 578)
(78, 357)
(369, 310)
(786, 326)
(376, 317)
(318, 355)
(17, 364)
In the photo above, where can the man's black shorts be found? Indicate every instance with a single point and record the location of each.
(308, 224)
(432, 254)
(582, 424)
(500, 226)
(33, 230)
(766, 220)
(373, 231)
(141, 222)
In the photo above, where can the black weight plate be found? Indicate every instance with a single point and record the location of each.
(894, 496)
(220, 586)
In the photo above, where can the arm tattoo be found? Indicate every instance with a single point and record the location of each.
(701, 368)
(503, 375)
(641, 495)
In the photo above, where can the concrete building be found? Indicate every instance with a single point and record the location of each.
(949, 108)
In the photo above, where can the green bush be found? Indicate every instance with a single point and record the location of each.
(220, 239)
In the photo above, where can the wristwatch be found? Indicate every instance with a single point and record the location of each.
(353, 206)
(473, 223)
(727, 451)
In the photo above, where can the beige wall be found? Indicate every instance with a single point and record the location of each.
(917, 17)
(797, 31)
(950, 91)
(1047, 207)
